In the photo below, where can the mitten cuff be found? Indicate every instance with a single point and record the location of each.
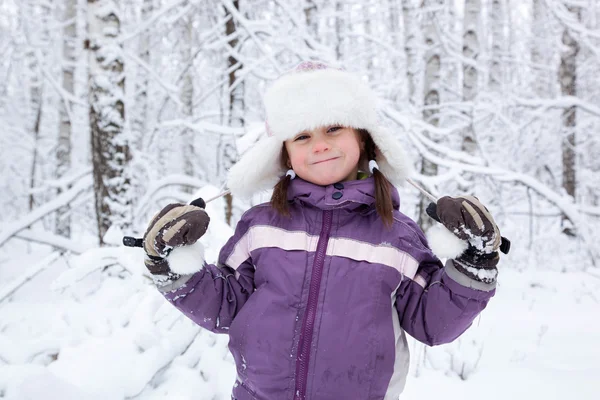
(462, 274)
(485, 275)
(157, 265)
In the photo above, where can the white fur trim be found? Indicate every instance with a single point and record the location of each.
(444, 243)
(393, 161)
(309, 99)
(186, 260)
(259, 168)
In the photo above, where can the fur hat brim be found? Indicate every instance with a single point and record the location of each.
(259, 168)
(305, 100)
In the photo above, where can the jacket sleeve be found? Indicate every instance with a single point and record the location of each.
(214, 295)
(439, 303)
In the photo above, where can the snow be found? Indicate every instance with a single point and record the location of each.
(539, 339)
(81, 322)
(100, 330)
(444, 243)
(188, 259)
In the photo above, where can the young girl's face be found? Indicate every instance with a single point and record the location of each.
(325, 155)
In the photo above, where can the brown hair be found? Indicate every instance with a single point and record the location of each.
(383, 195)
(279, 196)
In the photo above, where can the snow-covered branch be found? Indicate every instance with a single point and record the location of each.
(559, 102)
(243, 22)
(171, 180)
(565, 204)
(204, 127)
(152, 21)
(170, 89)
(61, 200)
(49, 238)
(63, 182)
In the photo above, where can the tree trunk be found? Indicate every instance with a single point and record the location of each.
(394, 32)
(310, 14)
(236, 107)
(28, 12)
(140, 122)
(498, 22)
(63, 151)
(110, 147)
(470, 73)
(542, 51)
(187, 98)
(411, 47)
(568, 87)
(431, 88)
(339, 29)
(367, 19)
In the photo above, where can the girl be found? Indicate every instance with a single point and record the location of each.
(317, 288)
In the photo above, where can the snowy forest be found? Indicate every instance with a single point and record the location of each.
(112, 109)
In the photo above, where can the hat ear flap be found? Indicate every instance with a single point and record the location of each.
(393, 161)
(259, 169)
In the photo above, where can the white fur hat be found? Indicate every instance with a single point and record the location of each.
(310, 96)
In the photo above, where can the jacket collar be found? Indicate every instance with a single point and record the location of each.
(350, 195)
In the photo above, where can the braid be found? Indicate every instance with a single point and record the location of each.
(383, 195)
(279, 196)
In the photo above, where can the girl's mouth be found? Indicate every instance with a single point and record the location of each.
(329, 159)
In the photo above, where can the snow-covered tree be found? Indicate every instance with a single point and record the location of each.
(568, 87)
(110, 144)
(498, 98)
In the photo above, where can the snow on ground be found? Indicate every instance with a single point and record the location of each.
(540, 337)
(93, 327)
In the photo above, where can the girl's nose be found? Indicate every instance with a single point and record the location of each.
(320, 145)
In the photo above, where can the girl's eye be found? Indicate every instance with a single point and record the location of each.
(301, 137)
(333, 129)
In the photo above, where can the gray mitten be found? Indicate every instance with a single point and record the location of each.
(174, 226)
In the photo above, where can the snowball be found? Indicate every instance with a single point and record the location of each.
(444, 243)
(186, 260)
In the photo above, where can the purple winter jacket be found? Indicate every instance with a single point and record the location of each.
(316, 304)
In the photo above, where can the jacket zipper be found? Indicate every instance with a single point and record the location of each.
(306, 334)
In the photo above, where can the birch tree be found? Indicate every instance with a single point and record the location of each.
(31, 20)
(433, 11)
(187, 94)
(542, 50)
(498, 22)
(395, 33)
(235, 89)
(567, 76)
(140, 117)
(412, 44)
(110, 146)
(63, 151)
(471, 50)
(311, 17)
(340, 27)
